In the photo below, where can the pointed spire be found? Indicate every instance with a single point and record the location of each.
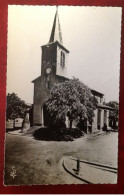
(56, 34)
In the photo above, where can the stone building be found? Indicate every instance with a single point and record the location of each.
(101, 113)
(54, 70)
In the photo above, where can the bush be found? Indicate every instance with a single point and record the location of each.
(62, 134)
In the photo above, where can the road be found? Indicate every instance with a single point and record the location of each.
(40, 162)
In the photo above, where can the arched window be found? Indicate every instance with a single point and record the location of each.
(62, 59)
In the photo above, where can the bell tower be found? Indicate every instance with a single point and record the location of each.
(54, 54)
(53, 70)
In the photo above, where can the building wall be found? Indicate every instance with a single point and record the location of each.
(108, 118)
(49, 53)
(41, 94)
(100, 100)
(42, 86)
(60, 70)
(95, 122)
(102, 118)
(107, 115)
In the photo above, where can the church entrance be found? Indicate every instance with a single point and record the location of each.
(47, 118)
(51, 120)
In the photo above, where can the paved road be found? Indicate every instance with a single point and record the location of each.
(90, 173)
(40, 162)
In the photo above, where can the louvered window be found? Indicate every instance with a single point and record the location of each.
(62, 60)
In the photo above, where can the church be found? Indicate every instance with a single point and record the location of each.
(54, 70)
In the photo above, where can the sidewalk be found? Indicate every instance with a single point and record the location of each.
(28, 132)
(90, 173)
(15, 132)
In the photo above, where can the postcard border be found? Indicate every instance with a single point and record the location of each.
(61, 189)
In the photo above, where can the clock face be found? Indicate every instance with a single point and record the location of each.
(48, 70)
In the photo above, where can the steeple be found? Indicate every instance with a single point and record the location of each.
(56, 34)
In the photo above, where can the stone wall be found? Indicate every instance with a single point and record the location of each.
(44, 83)
(41, 94)
(94, 124)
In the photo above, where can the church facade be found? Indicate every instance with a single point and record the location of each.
(54, 70)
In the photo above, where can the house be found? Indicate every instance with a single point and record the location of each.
(54, 70)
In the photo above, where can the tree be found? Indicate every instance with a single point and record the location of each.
(115, 105)
(113, 115)
(73, 99)
(15, 107)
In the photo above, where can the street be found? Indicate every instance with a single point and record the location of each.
(40, 162)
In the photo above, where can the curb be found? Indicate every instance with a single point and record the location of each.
(87, 182)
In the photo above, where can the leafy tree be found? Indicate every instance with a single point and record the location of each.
(73, 99)
(15, 107)
(114, 114)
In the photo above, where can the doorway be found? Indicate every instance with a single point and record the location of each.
(99, 120)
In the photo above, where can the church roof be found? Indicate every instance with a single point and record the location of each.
(57, 76)
(97, 93)
(56, 42)
(62, 77)
(37, 79)
(56, 34)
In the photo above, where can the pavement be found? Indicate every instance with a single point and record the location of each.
(90, 172)
(15, 132)
(29, 132)
(40, 162)
(34, 128)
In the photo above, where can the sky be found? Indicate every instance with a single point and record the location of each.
(91, 34)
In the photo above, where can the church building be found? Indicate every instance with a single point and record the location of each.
(54, 70)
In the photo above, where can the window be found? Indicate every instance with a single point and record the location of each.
(62, 59)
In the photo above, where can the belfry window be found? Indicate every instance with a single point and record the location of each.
(62, 59)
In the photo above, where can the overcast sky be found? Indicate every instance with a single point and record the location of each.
(91, 34)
